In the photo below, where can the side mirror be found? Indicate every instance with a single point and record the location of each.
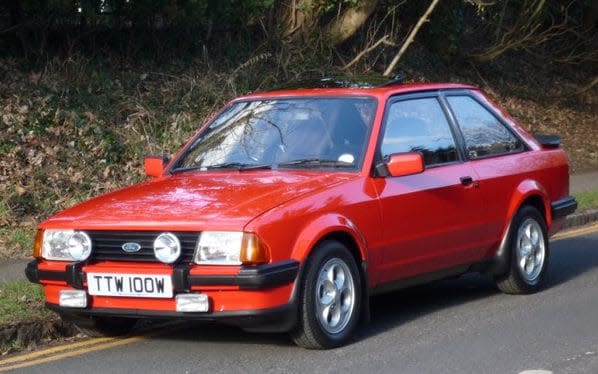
(154, 165)
(401, 164)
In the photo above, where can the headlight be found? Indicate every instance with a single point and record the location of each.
(66, 245)
(167, 248)
(230, 248)
(219, 248)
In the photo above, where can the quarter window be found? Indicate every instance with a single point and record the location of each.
(483, 133)
(419, 125)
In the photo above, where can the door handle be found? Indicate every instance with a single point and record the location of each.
(466, 181)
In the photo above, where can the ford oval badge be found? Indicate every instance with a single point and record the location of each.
(131, 247)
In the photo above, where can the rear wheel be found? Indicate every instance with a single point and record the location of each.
(102, 326)
(529, 252)
(330, 298)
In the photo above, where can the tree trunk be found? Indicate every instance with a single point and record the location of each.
(344, 26)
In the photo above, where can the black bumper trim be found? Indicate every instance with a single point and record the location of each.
(249, 277)
(254, 277)
(34, 275)
(276, 319)
(563, 207)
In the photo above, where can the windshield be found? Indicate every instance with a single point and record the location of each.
(276, 133)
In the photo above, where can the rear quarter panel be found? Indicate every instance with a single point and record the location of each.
(507, 181)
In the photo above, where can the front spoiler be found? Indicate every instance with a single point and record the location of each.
(277, 319)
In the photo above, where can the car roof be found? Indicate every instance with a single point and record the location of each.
(353, 87)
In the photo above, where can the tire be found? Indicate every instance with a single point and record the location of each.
(328, 319)
(529, 253)
(95, 327)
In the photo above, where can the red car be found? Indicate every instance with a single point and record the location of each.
(288, 209)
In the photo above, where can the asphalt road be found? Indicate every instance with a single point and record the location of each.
(456, 326)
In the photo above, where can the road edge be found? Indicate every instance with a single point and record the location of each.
(581, 218)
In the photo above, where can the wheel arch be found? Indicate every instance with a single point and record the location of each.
(330, 227)
(342, 229)
(528, 192)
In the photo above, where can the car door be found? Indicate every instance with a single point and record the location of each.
(431, 220)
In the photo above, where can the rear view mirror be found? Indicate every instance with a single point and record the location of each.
(154, 165)
(401, 164)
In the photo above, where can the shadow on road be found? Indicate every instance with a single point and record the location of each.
(569, 259)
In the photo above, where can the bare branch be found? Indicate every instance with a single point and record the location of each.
(382, 40)
(410, 38)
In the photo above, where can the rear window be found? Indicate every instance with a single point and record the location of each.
(483, 133)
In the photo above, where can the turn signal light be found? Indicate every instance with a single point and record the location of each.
(37, 246)
(253, 250)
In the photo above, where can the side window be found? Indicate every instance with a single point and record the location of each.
(419, 125)
(484, 135)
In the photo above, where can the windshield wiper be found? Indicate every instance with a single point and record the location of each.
(316, 162)
(239, 166)
(227, 165)
(184, 169)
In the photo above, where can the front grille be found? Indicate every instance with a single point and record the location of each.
(107, 245)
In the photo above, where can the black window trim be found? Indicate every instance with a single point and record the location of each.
(414, 96)
(471, 94)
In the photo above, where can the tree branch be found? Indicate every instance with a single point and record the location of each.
(410, 38)
(383, 39)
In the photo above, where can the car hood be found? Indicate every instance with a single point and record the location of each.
(193, 201)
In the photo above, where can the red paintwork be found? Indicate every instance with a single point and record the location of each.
(402, 227)
(405, 164)
(153, 166)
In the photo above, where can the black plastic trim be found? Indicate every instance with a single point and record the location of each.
(74, 275)
(35, 275)
(563, 207)
(180, 275)
(548, 141)
(420, 279)
(260, 276)
(31, 272)
(277, 319)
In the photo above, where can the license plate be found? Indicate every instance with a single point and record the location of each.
(131, 285)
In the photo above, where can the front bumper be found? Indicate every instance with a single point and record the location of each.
(248, 277)
(253, 297)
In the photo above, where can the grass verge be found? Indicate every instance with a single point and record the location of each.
(24, 321)
(587, 200)
(22, 301)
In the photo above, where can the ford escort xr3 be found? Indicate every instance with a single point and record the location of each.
(289, 208)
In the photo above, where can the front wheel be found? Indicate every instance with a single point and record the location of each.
(529, 252)
(330, 298)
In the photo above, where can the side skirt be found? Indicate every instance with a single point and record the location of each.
(420, 279)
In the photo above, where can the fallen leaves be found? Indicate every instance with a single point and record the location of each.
(20, 191)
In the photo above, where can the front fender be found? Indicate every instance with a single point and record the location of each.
(324, 225)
